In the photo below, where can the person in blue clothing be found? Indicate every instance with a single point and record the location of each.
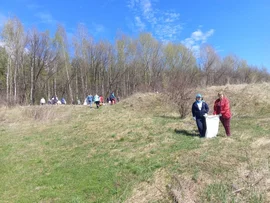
(112, 98)
(90, 100)
(63, 101)
(199, 111)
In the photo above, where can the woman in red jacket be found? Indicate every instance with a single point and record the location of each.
(222, 108)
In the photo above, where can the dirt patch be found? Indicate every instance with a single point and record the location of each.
(183, 190)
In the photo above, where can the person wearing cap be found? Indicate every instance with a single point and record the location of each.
(222, 108)
(199, 110)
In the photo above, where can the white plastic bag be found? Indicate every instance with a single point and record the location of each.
(86, 102)
(212, 123)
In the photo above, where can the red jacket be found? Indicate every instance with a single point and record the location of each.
(222, 107)
(101, 99)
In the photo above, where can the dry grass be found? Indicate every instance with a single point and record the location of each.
(151, 191)
(211, 163)
(255, 95)
(30, 114)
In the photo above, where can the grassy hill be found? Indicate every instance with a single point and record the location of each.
(136, 151)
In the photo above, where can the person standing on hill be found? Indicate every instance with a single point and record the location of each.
(199, 110)
(97, 100)
(90, 100)
(54, 99)
(112, 98)
(101, 100)
(63, 101)
(222, 108)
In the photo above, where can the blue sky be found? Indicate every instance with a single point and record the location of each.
(240, 27)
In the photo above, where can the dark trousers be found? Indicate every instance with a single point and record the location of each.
(226, 124)
(201, 124)
(97, 104)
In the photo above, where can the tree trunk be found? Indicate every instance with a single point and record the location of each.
(31, 82)
(7, 77)
(82, 81)
(76, 83)
(68, 78)
(48, 90)
(15, 80)
(54, 86)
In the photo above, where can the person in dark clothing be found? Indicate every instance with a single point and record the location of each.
(199, 110)
(54, 99)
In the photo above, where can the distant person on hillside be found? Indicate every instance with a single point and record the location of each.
(112, 98)
(90, 100)
(63, 101)
(101, 100)
(97, 100)
(222, 108)
(42, 101)
(54, 99)
(199, 110)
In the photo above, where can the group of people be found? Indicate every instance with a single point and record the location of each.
(200, 110)
(99, 100)
(53, 100)
(89, 100)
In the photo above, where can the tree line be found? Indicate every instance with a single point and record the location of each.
(36, 64)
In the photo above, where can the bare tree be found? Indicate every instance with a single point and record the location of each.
(62, 47)
(34, 64)
(84, 54)
(15, 41)
(3, 65)
(182, 76)
(210, 63)
(41, 56)
(225, 75)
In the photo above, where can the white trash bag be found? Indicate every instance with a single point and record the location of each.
(86, 102)
(212, 123)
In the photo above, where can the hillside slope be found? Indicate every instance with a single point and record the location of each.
(136, 151)
(246, 99)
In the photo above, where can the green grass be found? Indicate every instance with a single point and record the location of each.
(90, 155)
(217, 193)
(85, 159)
